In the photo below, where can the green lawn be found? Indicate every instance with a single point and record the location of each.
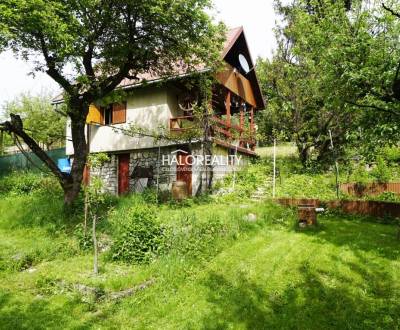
(256, 275)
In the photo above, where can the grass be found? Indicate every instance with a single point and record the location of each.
(254, 275)
(283, 150)
(294, 181)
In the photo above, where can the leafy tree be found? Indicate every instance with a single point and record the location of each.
(94, 199)
(334, 60)
(375, 72)
(44, 124)
(299, 86)
(89, 46)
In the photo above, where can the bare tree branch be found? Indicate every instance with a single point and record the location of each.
(394, 113)
(51, 65)
(390, 10)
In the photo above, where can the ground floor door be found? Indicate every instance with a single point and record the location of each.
(123, 174)
(184, 170)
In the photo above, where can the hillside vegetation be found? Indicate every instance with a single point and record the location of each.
(210, 263)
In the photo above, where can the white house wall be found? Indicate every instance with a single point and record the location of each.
(148, 108)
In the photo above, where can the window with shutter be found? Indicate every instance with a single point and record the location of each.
(95, 115)
(119, 113)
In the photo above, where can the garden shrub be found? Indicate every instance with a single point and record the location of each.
(22, 183)
(388, 196)
(18, 262)
(85, 241)
(360, 175)
(381, 171)
(19, 182)
(137, 235)
(149, 196)
(391, 154)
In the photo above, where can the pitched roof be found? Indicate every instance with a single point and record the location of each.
(232, 37)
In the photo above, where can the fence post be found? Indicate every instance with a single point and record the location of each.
(336, 165)
(274, 176)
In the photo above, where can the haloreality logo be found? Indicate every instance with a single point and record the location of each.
(182, 157)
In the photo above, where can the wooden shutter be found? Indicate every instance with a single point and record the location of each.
(95, 115)
(119, 113)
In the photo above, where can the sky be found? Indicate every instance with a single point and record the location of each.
(256, 16)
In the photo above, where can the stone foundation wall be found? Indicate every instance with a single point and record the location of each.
(109, 175)
(146, 169)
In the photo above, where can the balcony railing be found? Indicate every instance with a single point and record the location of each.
(220, 129)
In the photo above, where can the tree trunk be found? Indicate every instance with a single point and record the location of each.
(324, 152)
(78, 122)
(95, 247)
(15, 126)
(304, 153)
(71, 183)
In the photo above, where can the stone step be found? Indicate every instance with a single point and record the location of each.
(257, 199)
(258, 195)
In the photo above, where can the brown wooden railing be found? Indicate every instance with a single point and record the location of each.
(219, 126)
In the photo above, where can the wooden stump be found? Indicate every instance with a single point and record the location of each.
(307, 214)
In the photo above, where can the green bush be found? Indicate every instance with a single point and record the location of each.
(20, 183)
(360, 175)
(149, 196)
(85, 241)
(391, 154)
(18, 262)
(381, 171)
(137, 235)
(388, 196)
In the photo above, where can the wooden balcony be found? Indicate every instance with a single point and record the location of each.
(221, 130)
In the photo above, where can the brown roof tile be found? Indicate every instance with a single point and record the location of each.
(181, 70)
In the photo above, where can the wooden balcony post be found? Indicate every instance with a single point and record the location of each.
(252, 121)
(241, 116)
(241, 124)
(228, 108)
(252, 128)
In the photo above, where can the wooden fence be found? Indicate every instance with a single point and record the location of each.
(367, 208)
(370, 189)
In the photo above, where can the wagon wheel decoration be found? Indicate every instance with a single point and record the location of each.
(188, 101)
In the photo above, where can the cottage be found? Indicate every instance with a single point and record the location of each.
(140, 159)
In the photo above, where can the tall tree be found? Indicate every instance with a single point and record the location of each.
(299, 81)
(335, 67)
(45, 125)
(89, 46)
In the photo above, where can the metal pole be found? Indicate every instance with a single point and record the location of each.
(158, 171)
(234, 172)
(336, 166)
(274, 176)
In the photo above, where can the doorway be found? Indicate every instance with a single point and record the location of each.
(123, 174)
(184, 170)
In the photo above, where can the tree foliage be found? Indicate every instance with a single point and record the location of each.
(89, 46)
(44, 124)
(336, 68)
